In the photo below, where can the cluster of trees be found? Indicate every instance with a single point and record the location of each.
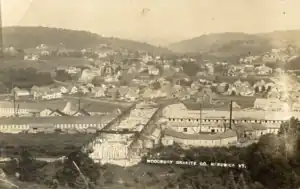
(191, 69)
(62, 75)
(76, 171)
(25, 78)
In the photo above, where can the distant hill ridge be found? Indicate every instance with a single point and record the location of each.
(30, 37)
(237, 43)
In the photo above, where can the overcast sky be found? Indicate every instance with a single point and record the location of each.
(163, 21)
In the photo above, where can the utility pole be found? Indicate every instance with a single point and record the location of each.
(81, 174)
(79, 104)
(14, 102)
(200, 118)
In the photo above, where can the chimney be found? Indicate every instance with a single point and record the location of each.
(79, 105)
(230, 116)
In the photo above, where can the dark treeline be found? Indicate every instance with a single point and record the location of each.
(24, 78)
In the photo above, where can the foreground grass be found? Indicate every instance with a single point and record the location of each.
(44, 145)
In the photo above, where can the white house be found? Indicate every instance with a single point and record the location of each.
(99, 92)
(64, 90)
(52, 95)
(152, 70)
(74, 90)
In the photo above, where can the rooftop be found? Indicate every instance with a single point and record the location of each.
(57, 120)
(88, 106)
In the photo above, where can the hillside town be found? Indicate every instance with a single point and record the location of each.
(121, 110)
(143, 101)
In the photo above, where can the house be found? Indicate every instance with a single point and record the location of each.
(55, 94)
(51, 112)
(46, 112)
(263, 70)
(88, 75)
(64, 90)
(133, 94)
(99, 92)
(251, 131)
(123, 90)
(224, 139)
(38, 92)
(296, 106)
(20, 93)
(74, 90)
(152, 70)
(83, 89)
(273, 93)
(112, 93)
(151, 94)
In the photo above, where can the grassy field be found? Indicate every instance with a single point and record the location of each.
(44, 145)
(44, 65)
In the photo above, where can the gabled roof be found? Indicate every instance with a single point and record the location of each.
(83, 112)
(59, 112)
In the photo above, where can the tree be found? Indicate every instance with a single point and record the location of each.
(156, 85)
(62, 75)
(190, 69)
(241, 182)
(70, 173)
(27, 166)
(233, 93)
(81, 183)
(230, 183)
(226, 87)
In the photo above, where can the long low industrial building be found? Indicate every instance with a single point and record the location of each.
(196, 140)
(20, 124)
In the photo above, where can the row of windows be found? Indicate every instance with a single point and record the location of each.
(13, 110)
(226, 120)
(61, 126)
(170, 141)
(211, 130)
(14, 127)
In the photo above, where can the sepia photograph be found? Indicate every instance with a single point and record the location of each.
(149, 94)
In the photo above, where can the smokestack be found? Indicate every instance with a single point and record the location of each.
(79, 105)
(230, 116)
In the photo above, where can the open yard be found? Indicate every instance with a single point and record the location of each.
(44, 65)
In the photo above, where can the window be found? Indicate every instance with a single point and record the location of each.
(185, 130)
